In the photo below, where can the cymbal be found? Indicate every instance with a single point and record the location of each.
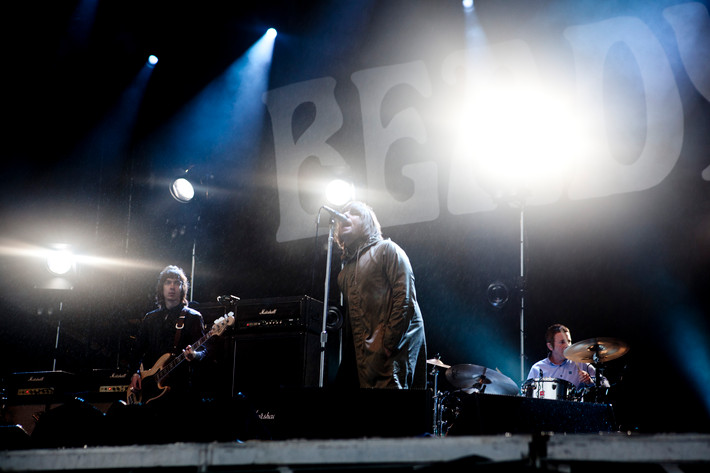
(437, 362)
(607, 349)
(469, 376)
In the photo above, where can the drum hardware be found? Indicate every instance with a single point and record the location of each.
(450, 406)
(597, 351)
(591, 393)
(469, 379)
(481, 379)
(436, 363)
(548, 388)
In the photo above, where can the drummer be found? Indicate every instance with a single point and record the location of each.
(556, 365)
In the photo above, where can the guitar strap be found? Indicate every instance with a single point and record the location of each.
(179, 324)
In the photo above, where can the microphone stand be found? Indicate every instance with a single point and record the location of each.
(324, 332)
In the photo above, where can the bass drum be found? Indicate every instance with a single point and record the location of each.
(548, 388)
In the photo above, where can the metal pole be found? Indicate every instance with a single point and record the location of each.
(56, 340)
(522, 291)
(192, 272)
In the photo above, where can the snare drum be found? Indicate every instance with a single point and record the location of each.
(548, 388)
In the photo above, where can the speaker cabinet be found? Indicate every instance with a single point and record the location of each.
(276, 360)
(26, 415)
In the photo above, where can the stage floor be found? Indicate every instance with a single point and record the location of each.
(549, 452)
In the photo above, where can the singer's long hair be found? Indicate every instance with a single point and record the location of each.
(171, 272)
(371, 226)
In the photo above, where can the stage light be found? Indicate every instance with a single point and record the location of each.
(467, 4)
(182, 190)
(271, 33)
(338, 192)
(152, 60)
(519, 137)
(60, 261)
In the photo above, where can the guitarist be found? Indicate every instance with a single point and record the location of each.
(170, 329)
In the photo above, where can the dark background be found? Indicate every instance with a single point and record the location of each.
(630, 266)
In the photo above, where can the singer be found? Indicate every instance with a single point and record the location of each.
(385, 344)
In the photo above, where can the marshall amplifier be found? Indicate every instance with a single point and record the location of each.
(30, 394)
(300, 313)
(37, 387)
(103, 387)
(277, 344)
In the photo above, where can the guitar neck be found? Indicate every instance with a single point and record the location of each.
(165, 370)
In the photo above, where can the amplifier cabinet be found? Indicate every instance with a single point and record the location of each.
(276, 360)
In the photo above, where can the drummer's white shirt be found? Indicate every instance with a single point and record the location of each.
(568, 370)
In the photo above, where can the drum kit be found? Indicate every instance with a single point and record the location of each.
(468, 378)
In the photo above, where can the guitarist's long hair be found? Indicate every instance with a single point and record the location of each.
(173, 272)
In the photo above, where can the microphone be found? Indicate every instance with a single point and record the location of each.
(336, 214)
(227, 299)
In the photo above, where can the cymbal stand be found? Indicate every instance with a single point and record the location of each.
(438, 405)
(599, 371)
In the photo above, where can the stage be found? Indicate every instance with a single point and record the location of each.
(549, 452)
(538, 162)
(333, 430)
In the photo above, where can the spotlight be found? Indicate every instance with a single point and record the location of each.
(271, 33)
(338, 192)
(467, 4)
(182, 190)
(152, 60)
(60, 261)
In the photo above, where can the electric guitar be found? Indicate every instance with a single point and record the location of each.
(152, 386)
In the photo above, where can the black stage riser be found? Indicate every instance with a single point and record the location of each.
(333, 413)
(489, 414)
(311, 413)
(275, 414)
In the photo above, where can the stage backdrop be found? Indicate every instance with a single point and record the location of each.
(540, 152)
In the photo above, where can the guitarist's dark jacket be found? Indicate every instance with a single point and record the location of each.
(157, 335)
